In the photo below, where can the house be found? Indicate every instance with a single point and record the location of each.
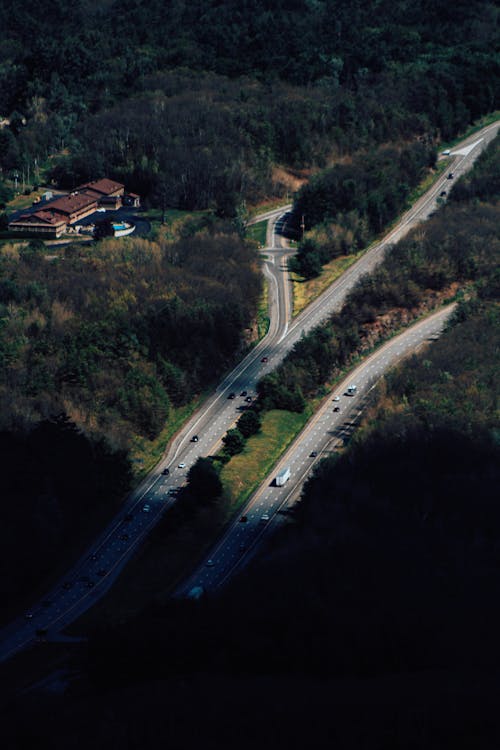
(110, 193)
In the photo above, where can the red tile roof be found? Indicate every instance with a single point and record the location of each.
(103, 186)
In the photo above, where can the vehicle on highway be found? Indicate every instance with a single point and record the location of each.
(182, 465)
(146, 508)
(282, 477)
(265, 359)
(194, 439)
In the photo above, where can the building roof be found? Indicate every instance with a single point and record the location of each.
(39, 217)
(103, 186)
(73, 202)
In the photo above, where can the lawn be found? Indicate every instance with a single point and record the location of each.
(245, 472)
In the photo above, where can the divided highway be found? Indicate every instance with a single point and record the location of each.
(329, 426)
(95, 572)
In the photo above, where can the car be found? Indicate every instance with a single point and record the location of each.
(232, 395)
(243, 393)
(265, 517)
(442, 193)
(210, 563)
(194, 439)
(248, 399)
(450, 176)
(336, 398)
(166, 472)
(265, 359)
(182, 465)
(243, 519)
(313, 454)
(101, 572)
(336, 408)
(124, 537)
(146, 508)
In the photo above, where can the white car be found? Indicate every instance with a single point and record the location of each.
(182, 465)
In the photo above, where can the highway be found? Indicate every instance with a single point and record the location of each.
(96, 571)
(331, 423)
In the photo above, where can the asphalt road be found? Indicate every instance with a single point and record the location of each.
(330, 425)
(96, 571)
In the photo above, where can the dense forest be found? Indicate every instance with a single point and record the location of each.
(194, 104)
(110, 340)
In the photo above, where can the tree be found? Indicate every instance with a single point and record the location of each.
(234, 442)
(249, 423)
(203, 480)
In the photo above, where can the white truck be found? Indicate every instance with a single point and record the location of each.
(282, 477)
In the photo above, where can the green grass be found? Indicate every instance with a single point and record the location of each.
(263, 320)
(246, 471)
(258, 233)
(304, 292)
